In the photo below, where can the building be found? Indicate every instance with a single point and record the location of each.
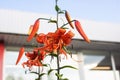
(101, 55)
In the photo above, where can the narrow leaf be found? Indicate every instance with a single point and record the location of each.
(66, 50)
(65, 79)
(34, 73)
(52, 54)
(58, 75)
(42, 74)
(52, 21)
(45, 65)
(64, 28)
(57, 8)
(50, 71)
(67, 66)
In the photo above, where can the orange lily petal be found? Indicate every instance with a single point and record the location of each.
(31, 56)
(70, 34)
(67, 37)
(20, 55)
(34, 30)
(80, 30)
(60, 31)
(40, 38)
(63, 52)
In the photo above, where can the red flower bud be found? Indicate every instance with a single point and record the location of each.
(80, 30)
(34, 30)
(68, 19)
(20, 54)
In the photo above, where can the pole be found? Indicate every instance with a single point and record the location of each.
(81, 66)
(2, 48)
(113, 65)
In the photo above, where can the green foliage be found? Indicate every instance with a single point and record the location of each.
(60, 76)
(67, 66)
(39, 74)
(57, 8)
(52, 21)
(49, 71)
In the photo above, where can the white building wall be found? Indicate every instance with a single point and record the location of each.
(19, 22)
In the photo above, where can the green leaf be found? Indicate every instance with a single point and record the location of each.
(67, 66)
(52, 21)
(66, 50)
(57, 8)
(65, 79)
(36, 79)
(64, 27)
(52, 54)
(34, 73)
(50, 71)
(45, 65)
(40, 75)
(59, 75)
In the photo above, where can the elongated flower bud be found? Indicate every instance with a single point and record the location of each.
(68, 19)
(20, 54)
(34, 30)
(30, 29)
(80, 30)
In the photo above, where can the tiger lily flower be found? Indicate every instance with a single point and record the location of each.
(54, 41)
(34, 58)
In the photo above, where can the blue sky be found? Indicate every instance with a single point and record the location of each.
(97, 10)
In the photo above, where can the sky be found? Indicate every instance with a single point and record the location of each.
(96, 10)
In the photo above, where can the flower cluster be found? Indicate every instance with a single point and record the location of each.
(53, 43)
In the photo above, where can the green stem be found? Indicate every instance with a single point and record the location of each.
(58, 65)
(57, 20)
(57, 15)
(44, 18)
(39, 73)
(67, 23)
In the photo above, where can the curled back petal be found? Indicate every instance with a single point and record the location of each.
(67, 37)
(60, 31)
(40, 38)
(31, 56)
